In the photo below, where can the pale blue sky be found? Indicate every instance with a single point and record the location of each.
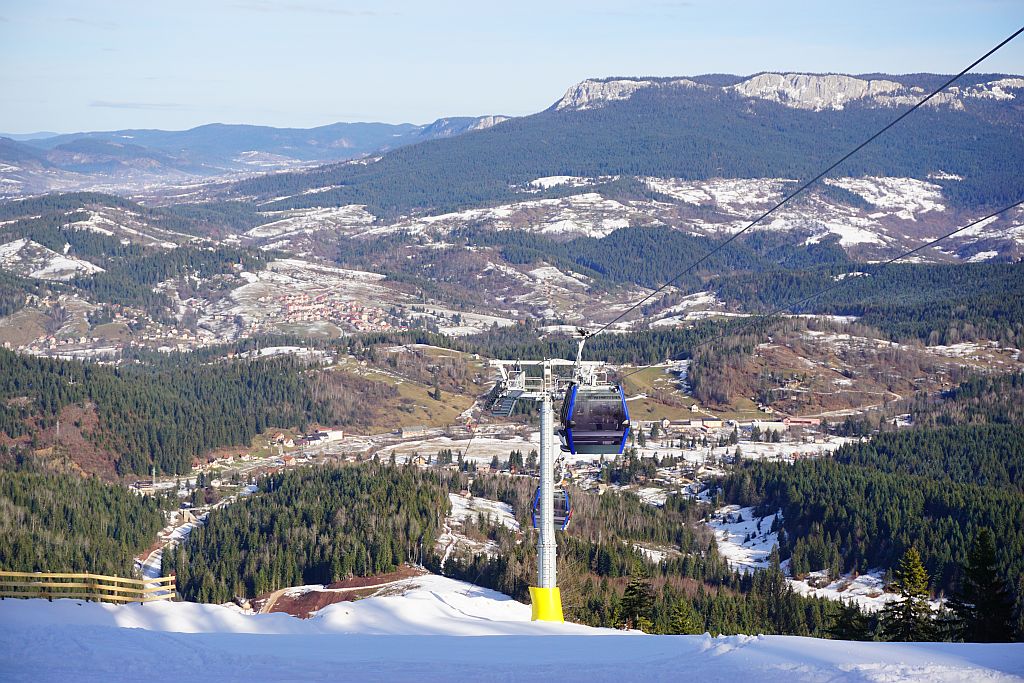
(106, 64)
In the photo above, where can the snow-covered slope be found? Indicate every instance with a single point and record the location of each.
(32, 259)
(423, 605)
(418, 636)
(877, 216)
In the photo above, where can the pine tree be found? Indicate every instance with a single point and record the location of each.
(1018, 613)
(685, 619)
(850, 623)
(637, 604)
(983, 605)
(909, 618)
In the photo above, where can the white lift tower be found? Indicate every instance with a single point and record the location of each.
(540, 381)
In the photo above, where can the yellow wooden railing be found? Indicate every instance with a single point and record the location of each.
(85, 586)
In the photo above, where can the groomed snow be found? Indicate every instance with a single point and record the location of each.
(419, 636)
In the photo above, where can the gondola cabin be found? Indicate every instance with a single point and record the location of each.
(594, 420)
(562, 509)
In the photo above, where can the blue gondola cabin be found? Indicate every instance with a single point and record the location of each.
(594, 420)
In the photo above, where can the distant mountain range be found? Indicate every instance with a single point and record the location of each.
(696, 154)
(970, 141)
(40, 162)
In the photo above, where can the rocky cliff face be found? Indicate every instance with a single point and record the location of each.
(830, 91)
(592, 93)
(487, 121)
(816, 92)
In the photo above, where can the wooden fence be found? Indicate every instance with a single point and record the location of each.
(85, 587)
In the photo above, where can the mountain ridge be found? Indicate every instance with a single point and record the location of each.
(816, 91)
(135, 158)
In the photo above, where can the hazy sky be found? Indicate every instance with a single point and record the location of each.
(69, 66)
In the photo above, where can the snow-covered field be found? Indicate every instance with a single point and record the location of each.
(31, 259)
(285, 224)
(745, 541)
(905, 196)
(421, 635)
(480, 449)
(471, 508)
(724, 193)
(468, 510)
(867, 590)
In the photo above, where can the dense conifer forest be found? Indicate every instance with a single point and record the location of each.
(930, 488)
(314, 525)
(168, 414)
(937, 304)
(59, 522)
(606, 581)
(61, 208)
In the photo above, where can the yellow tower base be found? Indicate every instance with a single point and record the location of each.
(547, 604)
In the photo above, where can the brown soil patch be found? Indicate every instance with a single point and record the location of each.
(307, 603)
(352, 589)
(405, 572)
(77, 423)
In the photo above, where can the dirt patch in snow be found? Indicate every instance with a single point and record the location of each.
(304, 601)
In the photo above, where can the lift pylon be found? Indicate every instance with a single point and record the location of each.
(540, 381)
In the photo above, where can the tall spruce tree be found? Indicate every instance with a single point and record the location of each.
(909, 618)
(685, 619)
(1018, 612)
(983, 606)
(850, 623)
(637, 605)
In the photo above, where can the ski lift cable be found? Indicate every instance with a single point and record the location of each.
(805, 185)
(841, 283)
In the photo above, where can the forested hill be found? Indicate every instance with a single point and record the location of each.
(690, 133)
(54, 522)
(987, 455)
(163, 415)
(312, 526)
(938, 304)
(934, 489)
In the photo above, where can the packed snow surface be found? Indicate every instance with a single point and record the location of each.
(421, 636)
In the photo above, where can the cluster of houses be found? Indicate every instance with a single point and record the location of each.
(304, 307)
(313, 438)
(709, 425)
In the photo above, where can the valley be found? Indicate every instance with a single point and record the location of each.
(262, 360)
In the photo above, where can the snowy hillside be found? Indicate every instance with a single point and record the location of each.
(746, 542)
(894, 213)
(419, 635)
(31, 259)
